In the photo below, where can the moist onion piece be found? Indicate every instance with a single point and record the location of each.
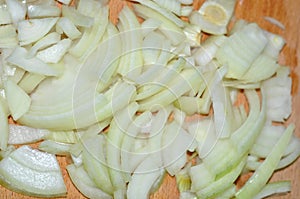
(221, 165)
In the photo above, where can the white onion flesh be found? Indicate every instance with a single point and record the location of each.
(147, 95)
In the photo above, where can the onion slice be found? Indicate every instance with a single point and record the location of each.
(32, 172)
(32, 30)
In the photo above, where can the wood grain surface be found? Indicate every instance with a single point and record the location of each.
(285, 11)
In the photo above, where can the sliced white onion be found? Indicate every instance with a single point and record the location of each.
(149, 25)
(260, 177)
(3, 126)
(30, 81)
(193, 34)
(32, 30)
(19, 57)
(278, 90)
(172, 31)
(176, 142)
(85, 184)
(56, 148)
(207, 50)
(41, 2)
(273, 188)
(222, 105)
(213, 16)
(76, 17)
(143, 179)
(186, 10)
(68, 27)
(8, 36)
(186, 2)
(115, 136)
(152, 45)
(49, 39)
(263, 67)
(8, 69)
(18, 101)
(201, 177)
(90, 8)
(274, 45)
(90, 37)
(173, 5)
(223, 183)
(94, 161)
(131, 61)
(40, 11)
(241, 49)
(17, 10)
(54, 53)
(32, 172)
(5, 17)
(23, 134)
(111, 101)
(67, 2)
(158, 9)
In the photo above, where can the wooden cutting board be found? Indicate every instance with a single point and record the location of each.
(285, 11)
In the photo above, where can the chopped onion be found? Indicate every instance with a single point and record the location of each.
(23, 134)
(150, 94)
(55, 53)
(32, 172)
(3, 126)
(161, 11)
(143, 179)
(213, 16)
(5, 17)
(19, 57)
(254, 185)
(37, 11)
(68, 27)
(85, 184)
(18, 101)
(76, 17)
(17, 10)
(8, 36)
(32, 30)
(30, 81)
(64, 1)
(46, 41)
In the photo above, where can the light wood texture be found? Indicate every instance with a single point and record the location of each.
(287, 12)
